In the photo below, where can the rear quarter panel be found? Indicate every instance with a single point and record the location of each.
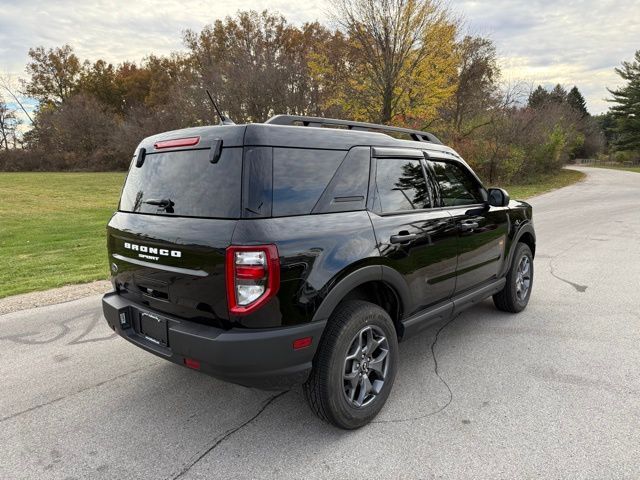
(316, 252)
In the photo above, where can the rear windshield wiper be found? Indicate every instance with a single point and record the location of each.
(164, 203)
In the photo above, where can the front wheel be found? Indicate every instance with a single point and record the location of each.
(514, 297)
(355, 366)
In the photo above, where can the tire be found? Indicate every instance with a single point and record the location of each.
(337, 386)
(515, 295)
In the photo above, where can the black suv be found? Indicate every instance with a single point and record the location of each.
(288, 252)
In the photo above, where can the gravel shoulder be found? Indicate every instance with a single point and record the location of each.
(54, 296)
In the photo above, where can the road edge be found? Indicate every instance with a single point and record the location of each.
(53, 296)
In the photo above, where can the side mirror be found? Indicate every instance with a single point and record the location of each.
(498, 197)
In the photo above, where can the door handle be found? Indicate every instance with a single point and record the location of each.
(468, 226)
(403, 237)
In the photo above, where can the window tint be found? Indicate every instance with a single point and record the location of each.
(457, 186)
(299, 178)
(257, 178)
(400, 185)
(194, 186)
(347, 190)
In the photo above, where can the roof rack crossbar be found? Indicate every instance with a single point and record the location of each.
(416, 135)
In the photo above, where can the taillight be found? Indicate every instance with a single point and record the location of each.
(253, 276)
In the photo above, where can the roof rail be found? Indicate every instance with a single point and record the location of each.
(415, 135)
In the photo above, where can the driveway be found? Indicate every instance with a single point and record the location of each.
(553, 392)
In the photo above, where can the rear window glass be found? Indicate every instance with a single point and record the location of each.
(400, 186)
(299, 178)
(184, 183)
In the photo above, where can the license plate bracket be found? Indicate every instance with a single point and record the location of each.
(154, 328)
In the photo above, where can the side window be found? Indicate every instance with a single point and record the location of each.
(400, 185)
(457, 185)
(347, 190)
(299, 178)
(257, 188)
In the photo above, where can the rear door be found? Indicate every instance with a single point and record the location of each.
(415, 239)
(482, 229)
(167, 241)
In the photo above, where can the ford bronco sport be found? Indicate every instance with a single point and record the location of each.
(290, 253)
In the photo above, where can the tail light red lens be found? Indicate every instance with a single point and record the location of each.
(253, 276)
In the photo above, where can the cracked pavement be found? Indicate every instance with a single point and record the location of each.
(553, 392)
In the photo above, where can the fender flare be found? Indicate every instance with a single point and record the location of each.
(363, 275)
(526, 228)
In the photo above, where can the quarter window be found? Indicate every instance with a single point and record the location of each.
(400, 185)
(299, 178)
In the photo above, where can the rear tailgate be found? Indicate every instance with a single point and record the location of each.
(167, 242)
(176, 266)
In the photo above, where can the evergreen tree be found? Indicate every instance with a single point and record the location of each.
(558, 94)
(538, 97)
(577, 101)
(541, 96)
(626, 112)
(607, 125)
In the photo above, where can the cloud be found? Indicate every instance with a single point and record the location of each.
(573, 42)
(577, 42)
(116, 30)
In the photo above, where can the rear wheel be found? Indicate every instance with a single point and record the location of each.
(355, 365)
(514, 297)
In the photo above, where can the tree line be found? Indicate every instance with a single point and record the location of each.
(400, 62)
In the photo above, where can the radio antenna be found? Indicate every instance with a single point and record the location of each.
(223, 120)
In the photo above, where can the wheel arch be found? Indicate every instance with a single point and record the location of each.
(525, 234)
(529, 238)
(378, 284)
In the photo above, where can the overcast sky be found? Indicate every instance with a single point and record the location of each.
(572, 42)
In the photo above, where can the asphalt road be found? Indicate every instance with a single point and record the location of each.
(553, 392)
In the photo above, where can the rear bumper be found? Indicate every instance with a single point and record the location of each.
(255, 358)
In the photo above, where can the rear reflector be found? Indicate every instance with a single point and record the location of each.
(178, 142)
(302, 343)
(192, 363)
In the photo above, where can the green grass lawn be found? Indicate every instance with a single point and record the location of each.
(544, 184)
(52, 225)
(52, 228)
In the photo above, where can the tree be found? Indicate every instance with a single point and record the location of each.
(626, 112)
(79, 128)
(98, 80)
(402, 59)
(538, 97)
(558, 94)
(256, 64)
(9, 123)
(6, 84)
(607, 124)
(541, 97)
(476, 91)
(577, 101)
(54, 74)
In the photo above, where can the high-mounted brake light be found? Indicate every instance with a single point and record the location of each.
(253, 276)
(178, 142)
